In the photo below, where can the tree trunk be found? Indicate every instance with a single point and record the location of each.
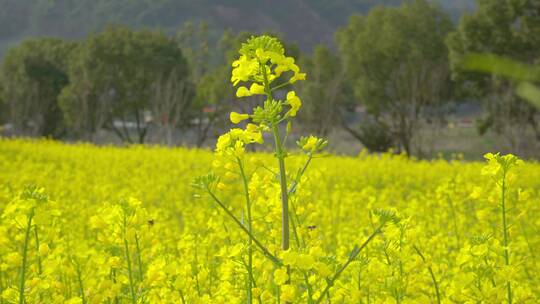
(168, 135)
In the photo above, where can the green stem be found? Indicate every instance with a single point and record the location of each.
(254, 285)
(432, 274)
(265, 251)
(139, 258)
(280, 154)
(40, 268)
(182, 296)
(330, 282)
(454, 220)
(1, 286)
(505, 234)
(128, 260)
(24, 258)
(113, 275)
(493, 283)
(81, 286)
(280, 86)
(297, 220)
(284, 192)
(130, 274)
(309, 288)
(294, 184)
(295, 232)
(297, 239)
(250, 229)
(198, 287)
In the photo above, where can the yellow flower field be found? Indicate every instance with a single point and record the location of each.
(87, 224)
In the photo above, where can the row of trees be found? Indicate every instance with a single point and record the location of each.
(403, 65)
(408, 65)
(116, 80)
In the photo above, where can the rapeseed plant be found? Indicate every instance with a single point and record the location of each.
(261, 63)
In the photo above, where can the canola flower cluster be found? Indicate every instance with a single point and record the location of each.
(122, 225)
(86, 224)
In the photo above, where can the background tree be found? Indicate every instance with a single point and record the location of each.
(194, 40)
(325, 92)
(211, 69)
(172, 97)
(396, 61)
(213, 98)
(3, 108)
(509, 28)
(209, 76)
(116, 77)
(33, 74)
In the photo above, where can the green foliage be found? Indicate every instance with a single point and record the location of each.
(503, 27)
(114, 76)
(396, 60)
(210, 75)
(507, 28)
(375, 135)
(523, 74)
(325, 92)
(32, 75)
(195, 44)
(3, 106)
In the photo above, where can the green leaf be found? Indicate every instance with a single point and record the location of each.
(502, 66)
(529, 92)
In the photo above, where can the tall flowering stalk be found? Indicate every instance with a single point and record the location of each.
(261, 69)
(262, 61)
(261, 64)
(498, 168)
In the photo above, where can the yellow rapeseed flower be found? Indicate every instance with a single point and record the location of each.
(237, 117)
(295, 103)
